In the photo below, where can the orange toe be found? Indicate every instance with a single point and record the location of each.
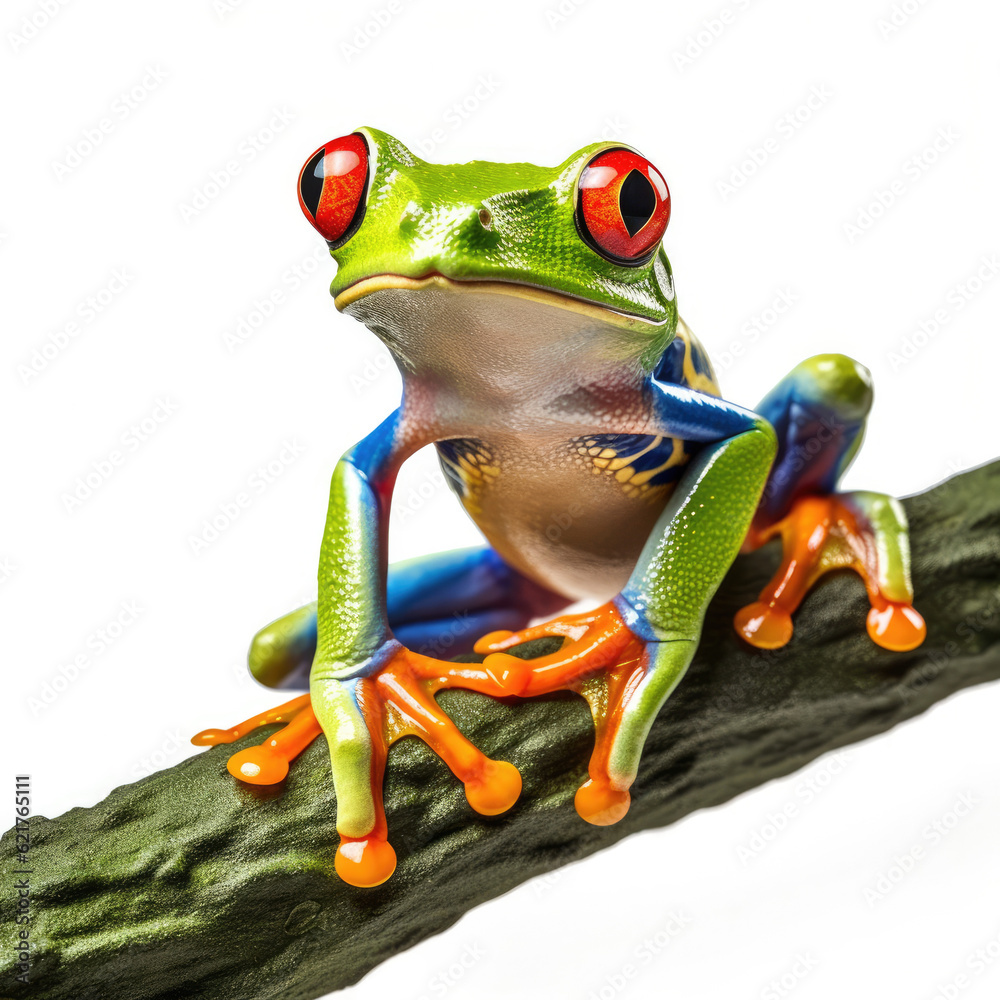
(364, 861)
(258, 766)
(600, 804)
(495, 790)
(211, 737)
(764, 626)
(899, 627)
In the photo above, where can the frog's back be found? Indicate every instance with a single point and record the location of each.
(573, 515)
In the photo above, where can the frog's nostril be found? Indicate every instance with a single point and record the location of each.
(486, 218)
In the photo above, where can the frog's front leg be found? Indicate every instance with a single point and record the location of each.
(366, 689)
(627, 656)
(818, 412)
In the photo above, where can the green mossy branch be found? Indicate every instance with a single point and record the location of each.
(188, 884)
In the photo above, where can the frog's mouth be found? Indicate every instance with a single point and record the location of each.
(595, 311)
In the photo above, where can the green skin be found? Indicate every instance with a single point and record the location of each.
(555, 320)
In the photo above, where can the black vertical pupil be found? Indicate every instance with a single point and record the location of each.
(311, 185)
(636, 201)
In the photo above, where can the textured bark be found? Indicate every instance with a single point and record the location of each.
(187, 884)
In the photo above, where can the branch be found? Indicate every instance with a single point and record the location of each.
(187, 884)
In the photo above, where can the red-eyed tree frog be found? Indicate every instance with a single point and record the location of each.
(531, 313)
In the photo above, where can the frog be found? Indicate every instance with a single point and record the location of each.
(531, 313)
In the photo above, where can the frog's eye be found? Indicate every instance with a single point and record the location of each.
(332, 187)
(623, 206)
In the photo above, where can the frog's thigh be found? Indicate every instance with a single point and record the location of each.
(437, 605)
(818, 411)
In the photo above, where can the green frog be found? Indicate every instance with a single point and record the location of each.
(532, 315)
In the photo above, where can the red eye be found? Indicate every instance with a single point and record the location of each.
(332, 187)
(624, 205)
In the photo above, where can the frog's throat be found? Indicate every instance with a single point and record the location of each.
(531, 293)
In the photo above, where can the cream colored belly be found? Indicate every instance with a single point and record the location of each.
(557, 512)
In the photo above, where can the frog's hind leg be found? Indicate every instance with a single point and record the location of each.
(437, 605)
(819, 412)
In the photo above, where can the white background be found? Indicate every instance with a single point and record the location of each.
(547, 84)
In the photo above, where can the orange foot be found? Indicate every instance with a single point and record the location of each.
(865, 532)
(397, 700)
(603, 661)
(268, 763)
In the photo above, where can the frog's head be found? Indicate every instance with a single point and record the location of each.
(568, 254)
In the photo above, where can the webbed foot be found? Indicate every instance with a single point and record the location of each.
(624, 678)
(366, 715)
(862, 531)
